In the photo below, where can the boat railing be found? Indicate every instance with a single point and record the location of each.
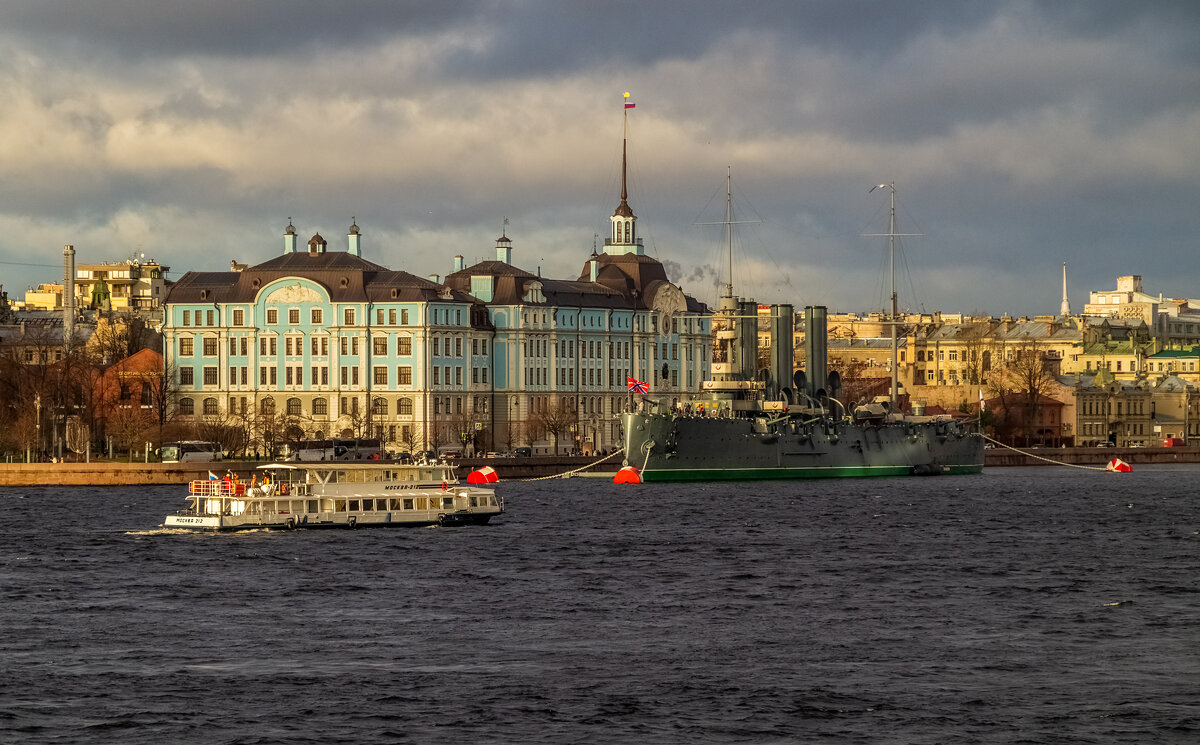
(216, 488)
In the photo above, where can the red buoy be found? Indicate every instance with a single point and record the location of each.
(485, 475)
(1116, 465)
(628, 475)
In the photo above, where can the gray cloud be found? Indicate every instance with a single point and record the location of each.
(1020, 135)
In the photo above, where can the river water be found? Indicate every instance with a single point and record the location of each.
(1046, 605)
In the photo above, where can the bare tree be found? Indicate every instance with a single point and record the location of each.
(557, 419)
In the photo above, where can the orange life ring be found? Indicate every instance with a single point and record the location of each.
(445, 486)
(283, 488)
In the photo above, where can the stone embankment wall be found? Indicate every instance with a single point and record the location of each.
(129, 474)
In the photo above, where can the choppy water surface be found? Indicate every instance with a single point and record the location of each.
(1021, 606)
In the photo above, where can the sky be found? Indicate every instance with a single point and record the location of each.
(1018, 134)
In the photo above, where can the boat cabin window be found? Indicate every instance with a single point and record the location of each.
(408, 504)
(354, 505)
(312, 505)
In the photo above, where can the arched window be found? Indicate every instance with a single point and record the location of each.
(379, 406)
(267, 406)
(293, 407)
(320, 407)
(404, 407)
(210, 407)
(187, 406)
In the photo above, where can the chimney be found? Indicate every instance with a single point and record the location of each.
(593, 270)
(458, 263)
(354, 240)
(68, 294)
(289, 238)
(435, 278)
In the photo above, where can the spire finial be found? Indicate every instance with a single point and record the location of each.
(1065, 310)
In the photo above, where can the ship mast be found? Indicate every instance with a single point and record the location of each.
(893, 319)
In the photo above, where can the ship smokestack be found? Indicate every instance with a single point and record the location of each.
(747, 340)
(782, 317)
(68, 295)
(816, 349)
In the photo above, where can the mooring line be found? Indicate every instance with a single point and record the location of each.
(1048, 460)
(577, 470)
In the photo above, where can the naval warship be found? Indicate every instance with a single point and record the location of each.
(780, 423)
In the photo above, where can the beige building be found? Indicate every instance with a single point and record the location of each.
(127, 285)
(1172, 320)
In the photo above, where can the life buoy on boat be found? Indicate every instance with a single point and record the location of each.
(283, 488)
(445, 486)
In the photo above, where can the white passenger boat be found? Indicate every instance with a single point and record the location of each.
(337, 495)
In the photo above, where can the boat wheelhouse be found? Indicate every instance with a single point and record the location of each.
(337, 495)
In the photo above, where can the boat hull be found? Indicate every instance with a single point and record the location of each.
(674, 448)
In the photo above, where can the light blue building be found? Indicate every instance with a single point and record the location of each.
(318, 343)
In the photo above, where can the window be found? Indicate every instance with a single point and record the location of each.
(239, 317)
(210, 376)
(404, 346)
(272, 316)
(267, 406)
(392, 317)
(345, 375)
(379, 316)
(458, 347)
(320, 406)
(354, 375)
(273, 345)
(294, 316)
(315, 315)
(381, 375)
(348, 316)
(262, 346)
(404, 407)
(186, 376)
(185, 346)
(208, 318)
(187, 406)
(403, 316)
(210, 346)
(345, 346)
(379, 346)
(210, 407)
(293, 406)
(233, 347)
(437, 376)
(232, 375)
(458, 376)
(187, 321)
(404, 375)
(379, 406)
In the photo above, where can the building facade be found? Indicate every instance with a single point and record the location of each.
(319, 343)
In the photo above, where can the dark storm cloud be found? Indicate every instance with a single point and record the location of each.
(1021, 134)
(151, 28)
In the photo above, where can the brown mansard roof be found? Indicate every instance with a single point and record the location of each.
(347, 278)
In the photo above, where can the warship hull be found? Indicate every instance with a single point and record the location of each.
(676, 447)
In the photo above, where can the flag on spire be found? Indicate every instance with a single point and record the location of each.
(638, 386)
(628, 104)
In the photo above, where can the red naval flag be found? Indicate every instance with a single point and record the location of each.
(638, 386)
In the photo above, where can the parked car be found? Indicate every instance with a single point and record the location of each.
(523, 452)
